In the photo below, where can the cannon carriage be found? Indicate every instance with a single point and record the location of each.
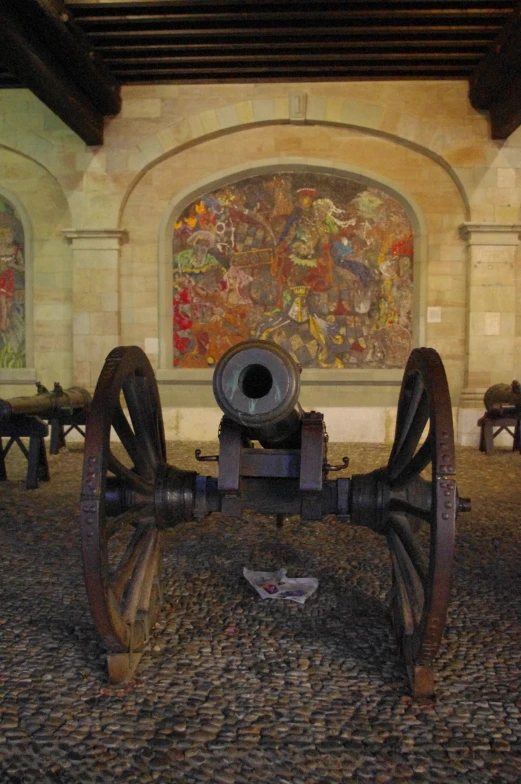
(23, 418)
(272, 459)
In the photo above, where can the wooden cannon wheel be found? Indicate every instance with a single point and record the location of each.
(422, 514)
(121, 544)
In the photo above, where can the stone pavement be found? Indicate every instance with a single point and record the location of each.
(234, 690)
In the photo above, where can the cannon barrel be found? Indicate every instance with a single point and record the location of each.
(503, 398)
(257, 385)
(45, 404)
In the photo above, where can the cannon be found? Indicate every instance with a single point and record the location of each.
(503, 400)
(21, 417)
(272, 459)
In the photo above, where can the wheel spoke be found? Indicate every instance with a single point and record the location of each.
(403, 506)
(410, 586)
(137, 596)
(407, 406)
(415, 466)
(133, 479)
(127, 518)
(128, 560)
(411, 437)
(129, 441)
(144, 421)
(401, 527)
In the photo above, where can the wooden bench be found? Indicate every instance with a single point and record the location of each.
(35, 430)
(492, 426)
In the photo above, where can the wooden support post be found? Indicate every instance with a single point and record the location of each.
(492, 426)
(35, 430)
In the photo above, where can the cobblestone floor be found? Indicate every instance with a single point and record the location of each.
(237, 690)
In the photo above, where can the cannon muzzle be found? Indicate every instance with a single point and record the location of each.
(257, 384)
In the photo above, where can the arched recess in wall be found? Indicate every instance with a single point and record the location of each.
(44, 211)
(317, 257)
(16, 287)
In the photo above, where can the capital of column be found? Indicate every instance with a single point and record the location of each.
(491, 233)
(98, 239)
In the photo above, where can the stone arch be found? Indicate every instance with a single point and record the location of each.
(419, 179)
(45, 211)
(25, 327)
(366, 177)
(335, 111)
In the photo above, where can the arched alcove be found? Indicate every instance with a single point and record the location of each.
(15, 284)
(429, 197)
(316, 258)
(40, 203)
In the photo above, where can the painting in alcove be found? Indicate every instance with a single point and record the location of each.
(318, 263)
(12, 288)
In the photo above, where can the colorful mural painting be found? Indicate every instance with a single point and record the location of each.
(318, 263)
(12, 288)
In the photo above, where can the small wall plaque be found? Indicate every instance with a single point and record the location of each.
(297, 107)
(434, 315)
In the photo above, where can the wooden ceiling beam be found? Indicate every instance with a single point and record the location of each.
(104, 6)
(127, 14)
(72, 48)
(333, 32)
(46, 58)
(136, 49)
(404, 71)
(200, 61)
(496, 83)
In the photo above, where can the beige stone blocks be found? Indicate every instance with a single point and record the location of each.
(492, 303)
(141, 107)
(492, 366)
(366, 115)
(95, 323)
(508, 213)
(421, 138)
(479, 378)
(109, 302)
(176, 135)
(447, 290)
(499, 297)
(86, 368)
(468, 156)
(245, 112)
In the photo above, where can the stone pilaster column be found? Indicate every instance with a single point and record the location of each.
(491, 355)
(95, 299)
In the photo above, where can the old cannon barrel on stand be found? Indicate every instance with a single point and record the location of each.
(45, 404)
(133, 496)
(21, 417)
(257, 385)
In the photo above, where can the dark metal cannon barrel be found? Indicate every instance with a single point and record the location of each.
(257, 385)
(502, 399)
(46, 404)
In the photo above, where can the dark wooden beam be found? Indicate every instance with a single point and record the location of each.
(46, 58)
(495, 86)
(76, 54)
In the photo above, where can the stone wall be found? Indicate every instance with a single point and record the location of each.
(101, 224)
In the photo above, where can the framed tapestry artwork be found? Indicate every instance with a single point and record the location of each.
(319, 263)
(12, 288)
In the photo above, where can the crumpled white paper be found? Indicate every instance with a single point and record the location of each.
(275, 585)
